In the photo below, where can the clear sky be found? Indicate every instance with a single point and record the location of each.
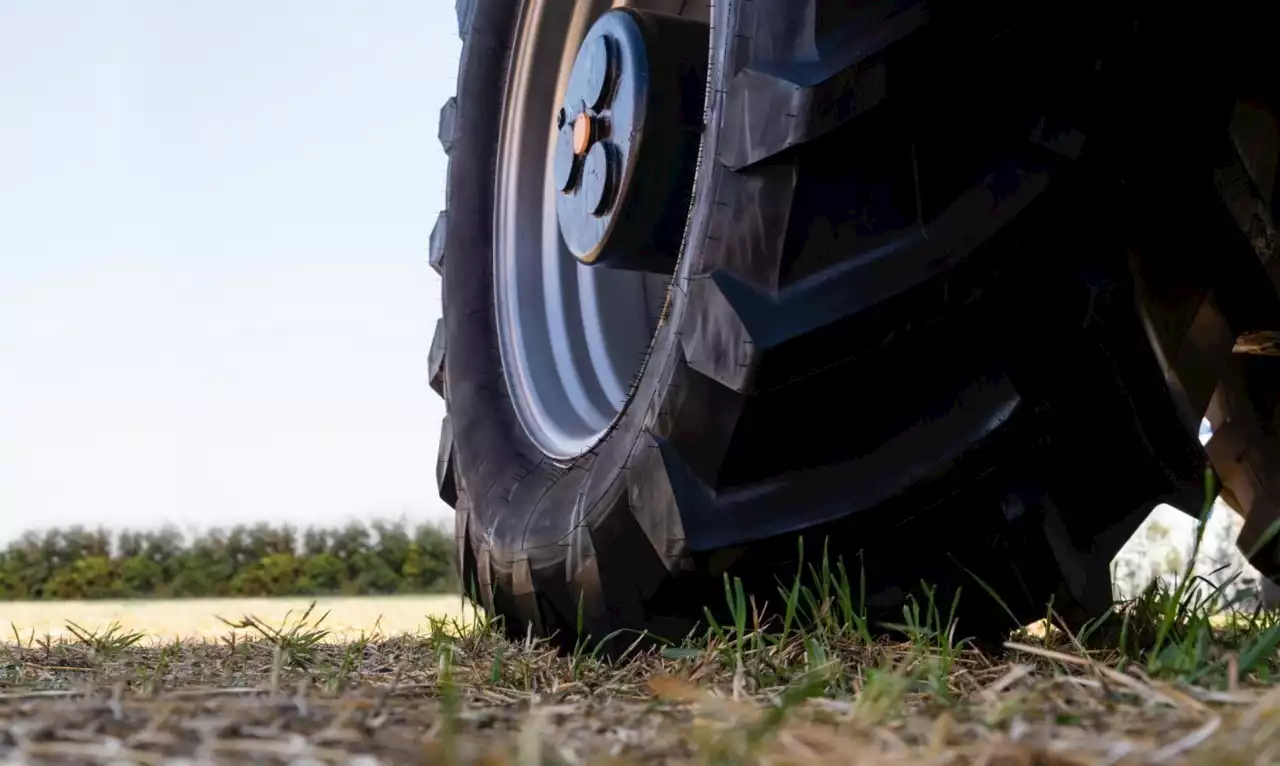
(215, 303)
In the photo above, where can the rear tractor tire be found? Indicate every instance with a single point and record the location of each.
(931, 291)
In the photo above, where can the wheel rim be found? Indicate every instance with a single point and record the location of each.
(573, 336)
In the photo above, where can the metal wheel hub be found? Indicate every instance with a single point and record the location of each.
(627, 138)
(597, 153)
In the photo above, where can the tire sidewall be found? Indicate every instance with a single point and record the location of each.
(515, 503)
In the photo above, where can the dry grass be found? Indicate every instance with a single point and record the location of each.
(1183, 673)
(478, 698)
(1176, 684)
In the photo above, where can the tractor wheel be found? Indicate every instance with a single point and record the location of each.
(925, 289)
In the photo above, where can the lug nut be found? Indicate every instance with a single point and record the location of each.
(566, 162)
(596, 73)
(597, 179)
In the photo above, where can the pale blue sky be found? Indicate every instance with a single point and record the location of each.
(215, 303)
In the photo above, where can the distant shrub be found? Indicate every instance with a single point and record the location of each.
(261, 560)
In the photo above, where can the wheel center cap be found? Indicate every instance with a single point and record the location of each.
(626, 138)
(602, 115)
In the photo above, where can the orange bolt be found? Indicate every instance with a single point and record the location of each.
(582, 129)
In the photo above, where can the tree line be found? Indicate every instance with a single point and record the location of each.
(259, 560)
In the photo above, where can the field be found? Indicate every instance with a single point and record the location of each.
(1166, 681)
(347, 618)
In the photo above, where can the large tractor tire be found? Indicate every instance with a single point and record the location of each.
(947, 295)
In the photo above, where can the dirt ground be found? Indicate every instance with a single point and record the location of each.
(1169, 686)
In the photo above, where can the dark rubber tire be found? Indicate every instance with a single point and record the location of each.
(904, 325)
